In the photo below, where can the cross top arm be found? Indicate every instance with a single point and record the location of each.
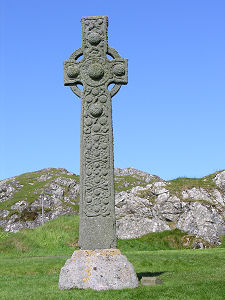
(95, 69)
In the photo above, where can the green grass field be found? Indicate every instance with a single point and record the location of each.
(30, 262)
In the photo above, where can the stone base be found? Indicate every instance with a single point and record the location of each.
(105, 269)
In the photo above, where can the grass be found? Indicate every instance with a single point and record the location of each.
(56, 237)
(30, 262)
(176, 186)
(127, 182)
(186, 274)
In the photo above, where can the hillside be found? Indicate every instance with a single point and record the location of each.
(144, 203)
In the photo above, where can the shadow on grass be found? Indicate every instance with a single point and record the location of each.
(149, 274)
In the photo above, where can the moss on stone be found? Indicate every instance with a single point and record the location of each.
(176, 186)
(127, 182)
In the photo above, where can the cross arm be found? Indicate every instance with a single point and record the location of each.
(72, 74)
(119, 71)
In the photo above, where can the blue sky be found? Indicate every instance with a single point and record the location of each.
(170, 118)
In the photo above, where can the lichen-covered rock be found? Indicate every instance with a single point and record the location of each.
(105, 269)
(203, 222)
(220, 180)
(4, 213)
(136, 173)
(128, 203)
(134, 215)
(196, 194)
(6, 189)
(167, 209)
(133, 226)
(43, 195)
(20, 205)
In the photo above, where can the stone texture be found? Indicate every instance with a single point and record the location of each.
(98, 270)
(202, 221)
(6, 189)
(136, 173)
(220, 180)
(196, 194)
(95, 72)
(131, 227)
(134, 215)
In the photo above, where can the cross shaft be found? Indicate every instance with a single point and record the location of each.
(96, 72)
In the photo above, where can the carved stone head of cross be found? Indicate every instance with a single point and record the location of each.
(95, 71)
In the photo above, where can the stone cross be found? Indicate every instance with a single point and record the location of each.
(95, 71)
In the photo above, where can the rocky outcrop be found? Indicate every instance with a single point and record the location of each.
(31, 199)
(198, 211)
(219, 180)
(202, 221)
(143, 202)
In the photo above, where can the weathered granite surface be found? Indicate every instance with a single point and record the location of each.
(97, 223)
(98, 270)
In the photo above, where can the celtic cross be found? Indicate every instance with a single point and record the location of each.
(95, 71)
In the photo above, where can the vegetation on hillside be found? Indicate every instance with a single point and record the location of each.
(60, 237)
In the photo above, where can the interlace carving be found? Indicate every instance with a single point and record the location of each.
(95, 71)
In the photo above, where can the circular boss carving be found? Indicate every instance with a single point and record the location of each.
(95, 110)
(94, 38)
(119, 70)
(72, 72)
(95, 71)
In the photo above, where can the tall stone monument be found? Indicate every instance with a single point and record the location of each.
(106, 267)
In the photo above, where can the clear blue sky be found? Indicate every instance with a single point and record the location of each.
(170, 118)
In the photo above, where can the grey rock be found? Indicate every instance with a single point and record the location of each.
(74, 191)
(159, 188)
(128, 203)
(133, 226)
(4, 213)
(218, 199)
(136, 173)
(20, 206)
(134, 215)
(44, 177)
(6, 190)
(3, 223)
(98, 270)
(202, 222)
(168, 209)
(48, 201)
(197, 194)
(198, 245)
(12, 225)
(55, 189)
(220, 180)
(64, 181)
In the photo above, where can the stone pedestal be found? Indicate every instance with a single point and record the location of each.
(104, 269)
